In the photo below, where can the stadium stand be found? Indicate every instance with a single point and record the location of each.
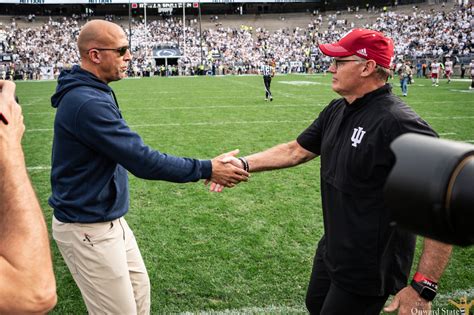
(39, 47)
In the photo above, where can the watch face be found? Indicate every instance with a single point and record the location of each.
(427, 293)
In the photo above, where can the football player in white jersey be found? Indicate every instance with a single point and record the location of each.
(448, 68)
(435, 72)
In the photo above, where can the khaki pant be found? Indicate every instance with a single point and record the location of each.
(106, 264)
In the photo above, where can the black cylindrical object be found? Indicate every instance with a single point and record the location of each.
(430, 189)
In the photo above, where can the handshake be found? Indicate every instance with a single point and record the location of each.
(227, 171)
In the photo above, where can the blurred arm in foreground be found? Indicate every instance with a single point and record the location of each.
(27, 283)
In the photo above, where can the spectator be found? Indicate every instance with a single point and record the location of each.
(419, 35)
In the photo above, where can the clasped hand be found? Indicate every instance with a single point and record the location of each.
(227, 171)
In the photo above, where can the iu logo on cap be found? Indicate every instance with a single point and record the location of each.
(357, 136)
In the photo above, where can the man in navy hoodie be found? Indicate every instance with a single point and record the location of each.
(93, 148)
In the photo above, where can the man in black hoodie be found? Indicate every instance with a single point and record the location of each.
(93, 148)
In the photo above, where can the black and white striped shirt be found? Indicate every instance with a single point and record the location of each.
(267, 70)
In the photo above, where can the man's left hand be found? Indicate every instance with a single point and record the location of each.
(408, 302)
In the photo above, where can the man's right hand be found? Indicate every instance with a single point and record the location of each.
(227, 170)
(11, 134)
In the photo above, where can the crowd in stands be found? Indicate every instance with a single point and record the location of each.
(40, 51)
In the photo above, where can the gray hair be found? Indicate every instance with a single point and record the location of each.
(382, 73)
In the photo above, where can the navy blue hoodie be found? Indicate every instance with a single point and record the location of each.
(93, 148)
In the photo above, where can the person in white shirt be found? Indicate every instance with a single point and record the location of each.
(448, 68)
(435, 71)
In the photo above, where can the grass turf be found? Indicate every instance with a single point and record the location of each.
(250, 248)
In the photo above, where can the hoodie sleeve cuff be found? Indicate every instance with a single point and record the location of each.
(206, 169)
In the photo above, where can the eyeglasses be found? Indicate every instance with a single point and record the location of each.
(121, 50)
(337, 62)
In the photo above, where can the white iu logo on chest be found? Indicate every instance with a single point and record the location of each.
(357, 136)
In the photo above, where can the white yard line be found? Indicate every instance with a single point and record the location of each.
(32, 102)
(453, 295)
(39, 130)
(39, 113)
(253, 310)
(244, 122)
(199, 107)
(224, 123)
(229, 106)
(39, 168)
(441, 302)
(449, 118)
(199, 124)
(421, 101)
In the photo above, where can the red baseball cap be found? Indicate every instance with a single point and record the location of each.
(364, 43)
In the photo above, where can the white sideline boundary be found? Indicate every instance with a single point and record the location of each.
(455, 294)
(197, 107)
(39, 168)
(450, 103)
(449, 118)
(39, 130)
(219, 123)
(253, 310)
(441, 302)
(226, 106)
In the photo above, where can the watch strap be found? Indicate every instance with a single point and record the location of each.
(420, 278)
(425, 287)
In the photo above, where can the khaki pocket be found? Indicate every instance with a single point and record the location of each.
(103, 255)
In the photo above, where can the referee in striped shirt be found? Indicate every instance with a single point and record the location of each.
(268, 72)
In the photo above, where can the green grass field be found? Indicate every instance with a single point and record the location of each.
(249, 249)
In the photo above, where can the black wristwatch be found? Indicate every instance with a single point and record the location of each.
(425, 287)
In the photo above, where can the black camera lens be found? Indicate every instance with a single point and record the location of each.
(430, 189)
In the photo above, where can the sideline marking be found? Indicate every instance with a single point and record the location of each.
(39, 130)
(199, 124)
(223, 123)
(198, 107)
(239, 123)
(445, 118)
(462, 91)
(301, 83)
(271, 309)
(38, 168)
(461, 80)
(440, 302)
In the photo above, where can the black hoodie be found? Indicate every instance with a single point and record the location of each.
(93, 148)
